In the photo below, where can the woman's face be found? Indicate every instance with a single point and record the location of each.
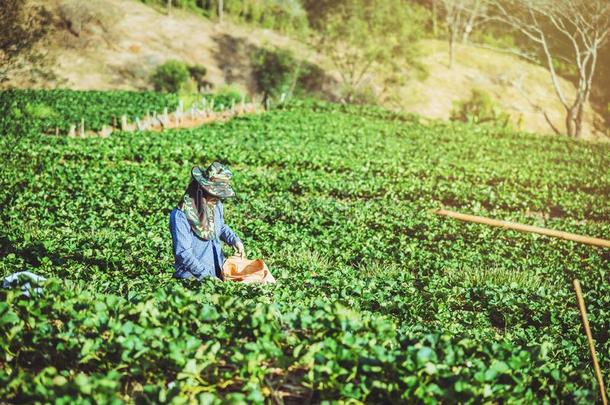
(210, 199)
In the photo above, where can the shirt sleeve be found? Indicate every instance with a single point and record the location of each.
(182, 239)
(226, 233)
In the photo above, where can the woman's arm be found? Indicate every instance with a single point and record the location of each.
(182, 239)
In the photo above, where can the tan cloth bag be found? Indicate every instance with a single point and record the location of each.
(237, 268)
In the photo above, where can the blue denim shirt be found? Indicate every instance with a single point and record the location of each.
(196, 257)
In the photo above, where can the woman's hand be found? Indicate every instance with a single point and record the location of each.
(239, 249)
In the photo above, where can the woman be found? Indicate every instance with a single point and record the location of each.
(197, 224)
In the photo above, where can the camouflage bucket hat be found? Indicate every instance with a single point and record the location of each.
(214, 180)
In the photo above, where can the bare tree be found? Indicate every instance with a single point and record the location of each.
(461, 17)
(434, 8)
(576, 28)
(365, 40)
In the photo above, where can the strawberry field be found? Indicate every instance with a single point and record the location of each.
(377, 299)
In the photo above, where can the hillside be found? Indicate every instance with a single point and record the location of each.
(522, 89)
(126, 43)
(377, 299)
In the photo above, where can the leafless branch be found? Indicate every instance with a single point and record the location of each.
(583, 23)
(511, 51)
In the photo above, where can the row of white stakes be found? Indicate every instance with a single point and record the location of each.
(164, 119)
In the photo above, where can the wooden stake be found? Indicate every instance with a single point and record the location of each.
(82, 127)
(525, 228)
(585, 322)
(123, 123)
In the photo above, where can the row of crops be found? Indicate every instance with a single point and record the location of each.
(57, 110)
(377, 299)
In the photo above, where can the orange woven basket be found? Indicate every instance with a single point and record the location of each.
(237, 268)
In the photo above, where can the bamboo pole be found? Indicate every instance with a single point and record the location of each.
(525, 228)
(585, 322)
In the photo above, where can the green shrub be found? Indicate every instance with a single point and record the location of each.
(175, 76)
(480, 108)
(172, 76)
(198, 73)
(275, 70)
(311, 79)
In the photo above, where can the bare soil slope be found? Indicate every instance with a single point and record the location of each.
(123, 52)
(521, 89)
(135, 38)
